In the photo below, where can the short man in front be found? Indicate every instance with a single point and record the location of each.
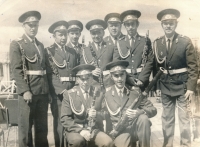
(135, 49)
(61, 60)
(99, 53)
(74, 32)
(176, 54)
(80, 106)
(118, 99)
(28, 65)
(114, 27)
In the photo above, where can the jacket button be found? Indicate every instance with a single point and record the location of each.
(99, 60)
(132, 55)
(132, 60)
(170, 67)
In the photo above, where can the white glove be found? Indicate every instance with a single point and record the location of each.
(96, 72)
(86, 134)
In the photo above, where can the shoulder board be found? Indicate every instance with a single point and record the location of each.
(108, 88)
(185, 37)
(121, 38)
(19, 39)
(159, 38)
(72, 90)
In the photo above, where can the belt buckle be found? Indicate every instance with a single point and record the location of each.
(133, 71)
(70, 78)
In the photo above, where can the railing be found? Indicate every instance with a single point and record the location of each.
(7, 87)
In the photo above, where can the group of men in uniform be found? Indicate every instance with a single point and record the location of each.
(87, 84)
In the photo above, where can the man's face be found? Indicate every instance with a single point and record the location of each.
(131, 27)
(60, 37)
(97, 35)
(169, 26)
(119, 78)
(84, 81)
(31, 28)
(114, 28)
(74, 36)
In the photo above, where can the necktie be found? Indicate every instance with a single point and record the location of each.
(168, 44)
(33, 41)
(115, 41)
(120, 94)
(132, 42)
(99, 47)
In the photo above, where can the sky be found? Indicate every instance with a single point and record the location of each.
(86, 10)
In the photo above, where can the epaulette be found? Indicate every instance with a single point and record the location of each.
(19, 39)
(72, 90)
(108, 88)
(159, 38)
(185, 37)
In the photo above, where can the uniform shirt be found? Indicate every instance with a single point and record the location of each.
(118, 90)
(171, 38)
(181, 55)
(37, 84)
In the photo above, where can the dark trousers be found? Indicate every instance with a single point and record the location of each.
(76, 140)
(139, 130)
(57, 126)
(33, 113)
(168, 120)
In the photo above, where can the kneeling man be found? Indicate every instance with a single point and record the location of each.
(118, 99)
(80, 112)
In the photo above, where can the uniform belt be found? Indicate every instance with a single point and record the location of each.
(36, 72)
(106, 72)
(133, 71)
(175, 71)
(67, 79)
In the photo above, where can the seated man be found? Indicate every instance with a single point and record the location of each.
(79, 116)
(118, 99)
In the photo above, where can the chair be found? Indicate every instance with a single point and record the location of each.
(12, 115)
(3, 118)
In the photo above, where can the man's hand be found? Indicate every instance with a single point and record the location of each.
(92, 113)
(27, 96)
(96, 72)
(158, 93)
(132, 114)
(189, 94)
(198, 81)
(86, 134)
(138, 82)
(50, 98)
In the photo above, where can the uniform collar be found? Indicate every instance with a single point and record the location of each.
(96, 45)
(61, 47)
(30, 38)
(73, 45)
(131, 37)
(113, 39)
(171, 38)
(117, 89)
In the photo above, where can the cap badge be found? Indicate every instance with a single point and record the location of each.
(129, 17)
(32, 19)
(117, 68)
(168, 16)
(62, 27)
(113, 19)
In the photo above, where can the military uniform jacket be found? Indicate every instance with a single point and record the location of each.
(78, 50)
(74, 109)
(181, 55)
(36, 84)
(63, 62)
(133, 54)
(109, 40)
(105, 55)
(114, 103)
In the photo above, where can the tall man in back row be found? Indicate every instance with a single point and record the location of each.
(62, 59)
(28, 65)
(135, 49)
(176, 54)
(114, 27)
(74, 32)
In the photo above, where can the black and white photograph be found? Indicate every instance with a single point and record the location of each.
(99, 73)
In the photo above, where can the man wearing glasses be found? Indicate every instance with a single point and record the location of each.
(28, 64)
(176, 54)
(135, 49)
(80, 106)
